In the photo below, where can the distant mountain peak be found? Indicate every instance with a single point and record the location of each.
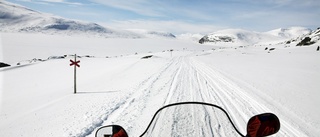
(245, 37)
(307, 39)
(231, 36)
(289, 32)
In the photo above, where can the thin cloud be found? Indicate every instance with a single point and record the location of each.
(283, 3)
(141, 7)
(53, 1)
(165, 9)
(176, 27)
(35, 2)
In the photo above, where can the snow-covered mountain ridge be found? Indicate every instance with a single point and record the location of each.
(289, 32)
(306, 39)
(16, 18)
(245, 37)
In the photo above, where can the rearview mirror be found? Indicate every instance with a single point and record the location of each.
(263, 125)
(111, 131)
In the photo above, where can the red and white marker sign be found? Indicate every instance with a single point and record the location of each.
(75, 63)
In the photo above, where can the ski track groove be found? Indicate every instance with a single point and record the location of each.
(115, 111)
(192, 92)
(234, 98)
(142, 94)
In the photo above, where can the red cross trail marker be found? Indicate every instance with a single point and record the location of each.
(75, 63)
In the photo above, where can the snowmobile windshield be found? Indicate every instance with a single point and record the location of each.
(193, 120)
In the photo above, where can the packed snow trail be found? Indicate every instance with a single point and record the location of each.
(185, 78)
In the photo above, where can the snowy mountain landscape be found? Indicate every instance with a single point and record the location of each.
(244, 72)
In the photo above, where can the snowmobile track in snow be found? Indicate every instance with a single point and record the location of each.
(187, 79)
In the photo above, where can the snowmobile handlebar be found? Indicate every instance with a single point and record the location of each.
(258, 126)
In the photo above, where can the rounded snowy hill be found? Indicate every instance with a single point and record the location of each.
(289, 32)
(16, 18)
(239, 37)
(231, 36)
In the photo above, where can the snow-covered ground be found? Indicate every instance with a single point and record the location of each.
(37, 98)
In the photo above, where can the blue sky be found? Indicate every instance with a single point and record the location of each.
(181, 16)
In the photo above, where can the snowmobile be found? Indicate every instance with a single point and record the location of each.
(197, 119)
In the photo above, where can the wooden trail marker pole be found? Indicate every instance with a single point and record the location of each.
(75, 74)
(75, 63)
(171, 50)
